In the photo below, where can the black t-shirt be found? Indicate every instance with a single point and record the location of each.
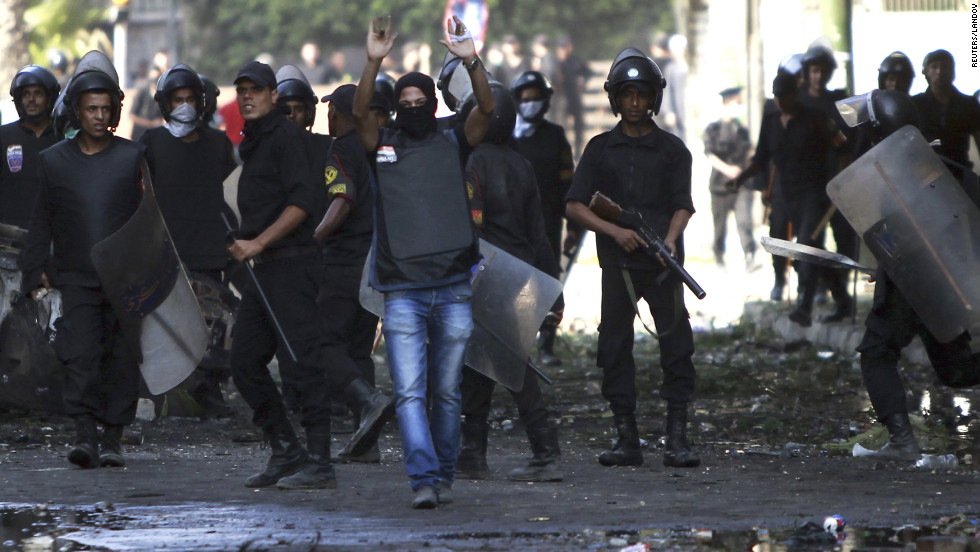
(650, 174)
(277, 174)
(347, 178)
(799, 151)
(187, 179)
(83, 199)
(19, 171)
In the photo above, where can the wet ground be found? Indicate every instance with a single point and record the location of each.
(775, 421)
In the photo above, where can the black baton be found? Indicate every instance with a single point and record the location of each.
(258, 288)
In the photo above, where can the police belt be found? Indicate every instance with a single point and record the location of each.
(284, 253)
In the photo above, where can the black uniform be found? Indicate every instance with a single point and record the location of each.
(551, 156)
(19, 171)
(844, 235)
(83, 199)
(799, 152)
(651, 174)
(276, 174)
(729, 141)
(187, 180)
(347, 328)
(507, 212)
(952, 124)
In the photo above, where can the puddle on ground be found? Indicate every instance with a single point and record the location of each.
(40, 529)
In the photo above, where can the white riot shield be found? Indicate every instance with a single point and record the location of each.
(151, 296)
(510, 300)
(921, 226)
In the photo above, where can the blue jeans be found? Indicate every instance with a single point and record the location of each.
(442, 316)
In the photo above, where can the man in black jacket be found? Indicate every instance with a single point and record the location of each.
(89, 188)
(277, 194)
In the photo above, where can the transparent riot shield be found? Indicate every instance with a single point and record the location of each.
(151, 296)
(510, 300)
(921, 226)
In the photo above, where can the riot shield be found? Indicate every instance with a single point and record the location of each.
(510, 300)
(150, 294)
(922, 228)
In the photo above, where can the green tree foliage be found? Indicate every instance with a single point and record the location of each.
(221, 35)
(72, 26)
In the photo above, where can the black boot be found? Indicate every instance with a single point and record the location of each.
(85, 453)
(543, 466)
(472, 460)
(318, 472)
(288, 456)
(801, 314)
(112, 456)
(546, 346)
(901, 445)
(679, 453)
(627, 451)
(374, 408)
(842, 309)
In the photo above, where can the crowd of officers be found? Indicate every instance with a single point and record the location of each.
(410, 195)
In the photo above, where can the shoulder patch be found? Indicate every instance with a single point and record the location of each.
(15, 157)
(469, 190)
(330, 174)
(337, 189)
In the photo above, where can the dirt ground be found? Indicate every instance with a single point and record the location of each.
(774, 422)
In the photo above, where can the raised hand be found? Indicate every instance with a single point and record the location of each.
(380, 38)
(460, 42)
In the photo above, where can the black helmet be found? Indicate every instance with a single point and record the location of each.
(504, 113)
(177, 77)
(818, 54)
(883, 111)
(791, 64)
(632, 67)
(898, 63)
(57, 60)
(34, 75)
(449, 65)
(533, 79)
(384, 85)
(293, 85)
(94, 72)
(211, 93)
(61, 116)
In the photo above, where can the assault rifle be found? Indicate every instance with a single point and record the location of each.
(610, 211)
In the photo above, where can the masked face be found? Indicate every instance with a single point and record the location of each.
(183, 120)
(532, 110)
(415, 114)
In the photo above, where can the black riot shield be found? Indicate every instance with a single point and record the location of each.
(921, 226)
(510, 300)
(151, 296)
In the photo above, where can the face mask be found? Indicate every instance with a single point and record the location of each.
(416, 121)
(183, 121)
(533, 110)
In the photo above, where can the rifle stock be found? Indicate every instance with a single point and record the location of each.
(610, 211)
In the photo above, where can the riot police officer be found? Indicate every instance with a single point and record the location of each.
(946, 114)
(34, 91)
(818, 67)
(892, 323)
(508, 214)
(643, 167)
(278, 197)
(896, 73)
(89, 188)
(189, 161)
(544, 144)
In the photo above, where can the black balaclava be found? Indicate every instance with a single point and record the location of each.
(421, 120)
